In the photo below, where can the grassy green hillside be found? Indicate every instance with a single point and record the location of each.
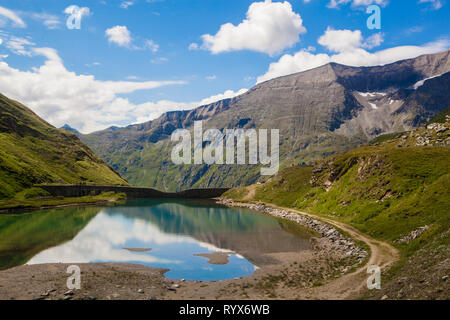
(388, 190)
(384, 190)
(441, 117)
(32, 151)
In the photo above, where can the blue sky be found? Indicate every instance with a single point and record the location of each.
(132, 60)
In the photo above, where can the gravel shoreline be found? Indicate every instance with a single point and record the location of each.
(331, 239)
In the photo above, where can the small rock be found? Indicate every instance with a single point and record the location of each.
(444, 278)
(385, 297)
(91, 298)
(140, 291)
(69, 293)
(175, 286)
(153, 298)
(67, 298)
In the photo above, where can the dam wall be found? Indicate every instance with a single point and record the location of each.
(131, 192)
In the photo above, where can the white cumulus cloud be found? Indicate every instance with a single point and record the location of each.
(374, 40)
(152, 110)
(346, 40)
(61, 96)
(341, 40)
(226, 95)
(119, 35)
(269, 27)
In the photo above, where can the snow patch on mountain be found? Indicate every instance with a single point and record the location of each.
(420, 83)
(371, 94)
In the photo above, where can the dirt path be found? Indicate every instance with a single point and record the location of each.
(251, 192)
(350, 285)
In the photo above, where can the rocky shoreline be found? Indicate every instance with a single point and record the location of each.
(331, 239)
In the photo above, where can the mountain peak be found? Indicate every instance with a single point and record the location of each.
(69, 128)
(318, 112)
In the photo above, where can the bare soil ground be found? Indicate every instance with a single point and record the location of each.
(350, 286)
(216, 257)
(291, 278)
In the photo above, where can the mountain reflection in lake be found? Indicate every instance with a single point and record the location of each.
(176, 235)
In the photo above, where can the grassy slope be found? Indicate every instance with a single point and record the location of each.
(383, 191)
(32, 151)
(36, 202)
(441, 117)
(386, 191)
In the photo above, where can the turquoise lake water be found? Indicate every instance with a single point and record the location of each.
(154, 233)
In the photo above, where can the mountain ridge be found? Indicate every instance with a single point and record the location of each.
(319, 112)
(32, 151)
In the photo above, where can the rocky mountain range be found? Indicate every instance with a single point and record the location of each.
(319, 112)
